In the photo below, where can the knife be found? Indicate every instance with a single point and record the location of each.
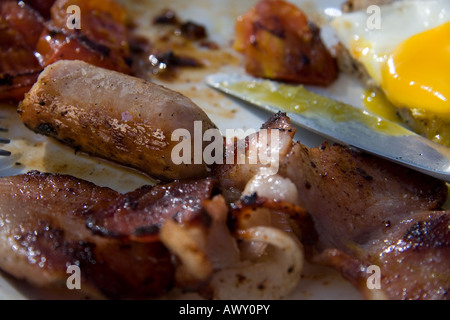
(340, 122)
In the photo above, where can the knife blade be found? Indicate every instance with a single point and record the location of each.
(340, 122)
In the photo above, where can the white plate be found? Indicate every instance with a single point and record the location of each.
(35, 152)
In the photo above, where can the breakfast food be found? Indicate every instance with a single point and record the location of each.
(223, 231)
(365, 211)
(114, 116)
(20, 28)
(404, 57)
(279, 42)
(102, 40)
(35, 34)
(183, 232)
(48, 229)
(354, 5)
(144, 243)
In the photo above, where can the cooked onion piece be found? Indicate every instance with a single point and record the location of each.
(200, 249)
(221, 246)
(187, 243)
(266, 264)
(272, 187)
(271, 253)
(278, 190)
(273, 276)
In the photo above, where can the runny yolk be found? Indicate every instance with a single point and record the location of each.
(375, 101)
(417, 73)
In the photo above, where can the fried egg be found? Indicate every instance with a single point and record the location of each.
(407, 53)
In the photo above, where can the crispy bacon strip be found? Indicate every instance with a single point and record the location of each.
(361, 211)
(44, 219)
(140, 214)
(350, 194)
(124, 244)
(43, 231)
(412, 252)
(363, 207)
(366, 211)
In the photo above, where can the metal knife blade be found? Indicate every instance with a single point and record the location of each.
(339, 122)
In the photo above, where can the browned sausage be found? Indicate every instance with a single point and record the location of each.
(114, 116)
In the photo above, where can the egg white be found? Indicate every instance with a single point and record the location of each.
(399, 21)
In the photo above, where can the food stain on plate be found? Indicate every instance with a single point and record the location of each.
(30, 151)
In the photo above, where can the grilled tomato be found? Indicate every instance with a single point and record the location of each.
(280, 43)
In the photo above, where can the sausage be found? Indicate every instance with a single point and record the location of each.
(114, 116)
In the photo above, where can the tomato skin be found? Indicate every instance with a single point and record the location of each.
(103, 21)
(278, 42)
(30, 40)
(101, 41)
(58, 45)
(41, 6)
(20, 27)
(23, 20)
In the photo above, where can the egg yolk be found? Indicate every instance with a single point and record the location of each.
(417, 73)
(375, 101)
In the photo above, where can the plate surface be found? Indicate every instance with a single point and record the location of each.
(34, 152)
